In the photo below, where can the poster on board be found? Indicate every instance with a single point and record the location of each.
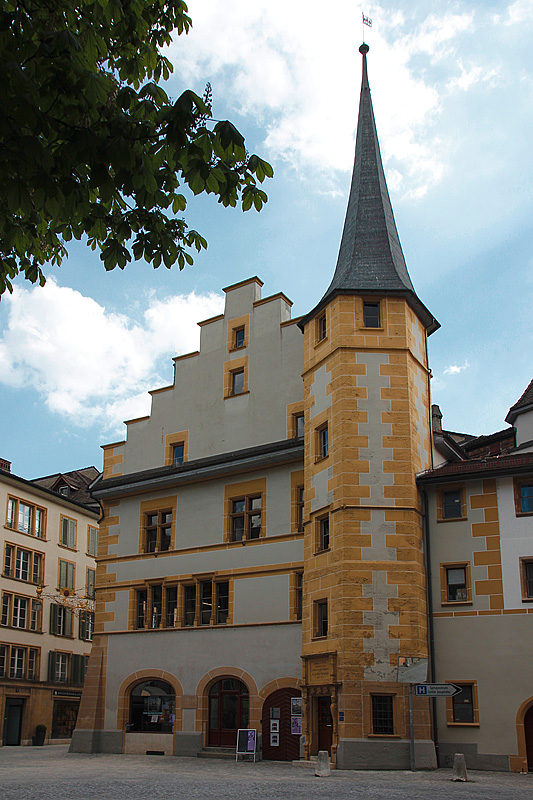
(296, 706)
(246, 742)
(296, 725)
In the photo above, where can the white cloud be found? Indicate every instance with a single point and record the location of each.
(471, 76)
(296, 68)
(455, 369)
(91, 365)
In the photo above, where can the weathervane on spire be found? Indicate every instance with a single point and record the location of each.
(366, 21)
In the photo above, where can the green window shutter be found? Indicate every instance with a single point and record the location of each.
(78, 664)
(52, 665)
(82, 630)
(53, 618)
(68, 621)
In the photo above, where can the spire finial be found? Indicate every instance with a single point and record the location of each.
(364, 48)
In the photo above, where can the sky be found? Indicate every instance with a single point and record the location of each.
(452, 90)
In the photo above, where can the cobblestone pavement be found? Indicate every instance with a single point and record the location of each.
(51, 773)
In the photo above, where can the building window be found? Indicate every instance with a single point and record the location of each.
(300, 508)
(463, 704)
(383, 715)
(451, 503)
(156, 606)
(178, 454)
(322, 442)
(323, 534)
(68, 533)
(371, 315)
(141, 605)
(65, 667)
(526, 578)
(20, 612)
(152, 707)
(61, 619)
(246, 518)
(19, 663)
(222, 590)
(171, 606)
(237, 381)
(523, 496)
(25, 518)
(299, 425)
(92, 541)
(66, 575)
(24, 565)
(86, 625)
(456, 586)
(321, 618)
(90, 583)
(189, 604)
(238, 338)
(206, 602)
(298, 591)
(321, 327)
(158, 531)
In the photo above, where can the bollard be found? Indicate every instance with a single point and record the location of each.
(459, 768)
(322, 769)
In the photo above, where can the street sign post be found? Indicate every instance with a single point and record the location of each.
(436, 689)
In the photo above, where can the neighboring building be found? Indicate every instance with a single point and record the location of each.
(480, 547)
(263, 550)
(48, 544)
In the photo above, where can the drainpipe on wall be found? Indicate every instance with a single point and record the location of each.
(431, 633)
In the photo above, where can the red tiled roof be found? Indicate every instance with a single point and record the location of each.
(480, 466)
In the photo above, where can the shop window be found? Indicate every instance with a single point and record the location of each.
(371, 315)
(19, 663)
(383, 714)
(321, 618)
(24, 565)
(152, 707)
(68, 533)
(246, 518)
(451, 503)
(523, 496)
(92, 541)
(157, 531)
(26, 518)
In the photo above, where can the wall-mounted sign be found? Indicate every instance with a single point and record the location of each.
(296, 725)
(274, 740)
(296, 706)
(274, 726)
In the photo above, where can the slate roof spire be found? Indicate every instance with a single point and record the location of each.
(370, 257)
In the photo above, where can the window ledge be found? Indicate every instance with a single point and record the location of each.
(66, 547)
(319, 638)
(524, 513)
(320, 552)
(452, 519)
(238, 349)
(463, 724)
(240, 394)
(319, 459)
(321, 341)
(458, 603)
(384, 736)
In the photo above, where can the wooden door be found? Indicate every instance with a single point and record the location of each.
(528, 730)
(325, 723)
(277, 714)
(13, 720)
(228, 711)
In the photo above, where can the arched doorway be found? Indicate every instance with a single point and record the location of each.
(281, 725)
(152, 707)
(528, 731)
(229, 710)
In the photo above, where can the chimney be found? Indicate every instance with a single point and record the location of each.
(436, 419)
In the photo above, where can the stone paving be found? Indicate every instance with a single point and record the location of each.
(51, 773)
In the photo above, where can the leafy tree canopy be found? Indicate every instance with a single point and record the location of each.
(91, 144)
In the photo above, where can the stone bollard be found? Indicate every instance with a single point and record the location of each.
(322, 769)
(459, 768)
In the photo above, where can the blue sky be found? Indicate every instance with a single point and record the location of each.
(452, 90)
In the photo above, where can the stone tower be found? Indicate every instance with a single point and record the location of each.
(368, 418)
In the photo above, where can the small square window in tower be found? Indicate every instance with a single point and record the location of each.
(238, 338)
(321, 612)
(323, 442)
(321, 327)
(371, 315)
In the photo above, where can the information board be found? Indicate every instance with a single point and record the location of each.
(246, 742)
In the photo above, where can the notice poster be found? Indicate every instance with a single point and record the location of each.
(296, 725)
(296, 706)
(274, 726)
(246, 740)
(274, 740)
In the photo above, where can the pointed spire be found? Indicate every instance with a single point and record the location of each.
(370, 257)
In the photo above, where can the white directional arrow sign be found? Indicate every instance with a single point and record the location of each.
(436, 689)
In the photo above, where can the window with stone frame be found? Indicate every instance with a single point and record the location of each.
(322, 327)
(22, 564)
(322, 537)
(26, 517)
(371, 315)
(526, 578)
(246, 517)
(322, 442)
(321, 618)
(300, 508)
(68, 533)
(451, 503)
(523, 495)
(157, 531)
(382, 714)
(19, 662)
